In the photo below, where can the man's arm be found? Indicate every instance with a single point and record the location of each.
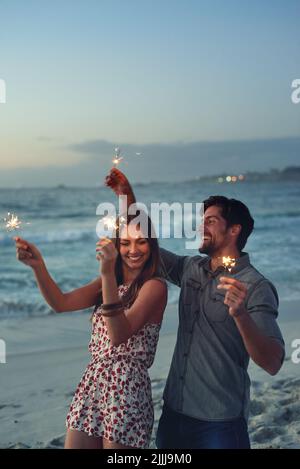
(256, 321)
(172, 266)
(266, 352)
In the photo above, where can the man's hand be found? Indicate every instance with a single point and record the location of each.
(236, 293)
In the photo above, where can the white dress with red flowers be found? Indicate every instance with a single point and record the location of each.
(113, 399)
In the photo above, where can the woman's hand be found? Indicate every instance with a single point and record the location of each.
(118, 182)
(28, 253)
(107, 254)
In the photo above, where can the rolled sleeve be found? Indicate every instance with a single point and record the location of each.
(262, 304)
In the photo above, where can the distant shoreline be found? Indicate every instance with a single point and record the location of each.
(288, 174)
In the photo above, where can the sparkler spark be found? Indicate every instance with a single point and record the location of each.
(13, 222)
(109, 223)
(228, 263)
(117, 158)
(117, 161)
(106, 227)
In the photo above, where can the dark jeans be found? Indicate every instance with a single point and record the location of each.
(177, 431)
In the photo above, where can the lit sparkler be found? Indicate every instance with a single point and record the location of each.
(109, 223)
(117, 158)
(13, 222)
(106, 227)
(228, 263)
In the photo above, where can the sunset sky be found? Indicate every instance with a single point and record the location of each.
(85, 76)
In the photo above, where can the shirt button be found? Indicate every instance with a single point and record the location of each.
(181, 377)
(185, 354)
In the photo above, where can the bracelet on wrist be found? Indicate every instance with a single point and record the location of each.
(112, 313)
(111, 306)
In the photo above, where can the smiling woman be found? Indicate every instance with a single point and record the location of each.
(112, 406)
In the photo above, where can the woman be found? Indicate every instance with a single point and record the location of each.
(112, 407)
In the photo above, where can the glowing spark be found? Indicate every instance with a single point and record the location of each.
(106, 227)
(109, 223)
(12, 222)
(117, 161)
(117, 158)
(228, 263)
(138, 154)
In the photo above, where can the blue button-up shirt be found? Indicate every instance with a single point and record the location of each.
(208, 377)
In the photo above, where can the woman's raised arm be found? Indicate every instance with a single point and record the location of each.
(60, 302)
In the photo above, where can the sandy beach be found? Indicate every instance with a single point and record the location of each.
(46, 357)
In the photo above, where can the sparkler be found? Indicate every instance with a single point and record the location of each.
(106, 227)
(13, 222)
(117, 158)
(109, 223)
(228, 263)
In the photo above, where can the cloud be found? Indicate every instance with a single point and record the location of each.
(160, 161)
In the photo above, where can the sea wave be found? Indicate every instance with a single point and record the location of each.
(52, 236)
(20, 308)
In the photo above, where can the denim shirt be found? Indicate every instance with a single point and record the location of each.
(208, 378)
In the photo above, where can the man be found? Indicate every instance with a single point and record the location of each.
(223, 320)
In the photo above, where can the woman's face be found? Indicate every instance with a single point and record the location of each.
(134, 248)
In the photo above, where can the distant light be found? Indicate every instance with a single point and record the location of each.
(220, 179)
(241, 177)
(228, 178)
(234, 179)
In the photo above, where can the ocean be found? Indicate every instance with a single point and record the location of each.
(63, 226)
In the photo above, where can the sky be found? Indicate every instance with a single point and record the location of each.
(171, 79)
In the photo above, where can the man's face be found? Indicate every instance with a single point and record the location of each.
(216, 234)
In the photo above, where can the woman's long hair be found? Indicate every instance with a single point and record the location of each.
(151, 267)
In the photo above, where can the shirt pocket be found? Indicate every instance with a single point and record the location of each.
(189, 304)
(216, 310)
(191, 294)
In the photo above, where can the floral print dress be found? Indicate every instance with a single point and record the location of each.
(113, 399)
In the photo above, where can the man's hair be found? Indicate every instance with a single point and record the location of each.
(235, 213)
